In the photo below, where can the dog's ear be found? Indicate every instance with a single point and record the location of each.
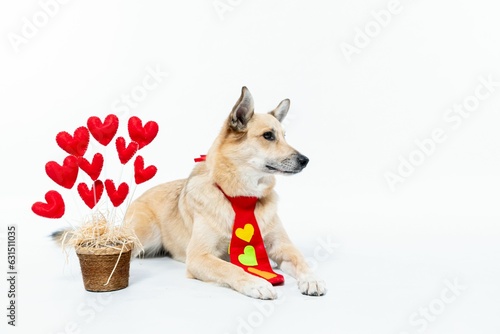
(242, 111)
(281, 110)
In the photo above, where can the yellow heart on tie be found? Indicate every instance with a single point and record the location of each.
(245, 233)
(248, 257)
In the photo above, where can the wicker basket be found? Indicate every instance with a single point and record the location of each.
(105, 269)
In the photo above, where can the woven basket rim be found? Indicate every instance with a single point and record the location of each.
(105, 250)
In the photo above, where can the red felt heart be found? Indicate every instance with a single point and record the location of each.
(117, 196)
(142, 174)
(91, 196)
(64, 175)
(125, 153)
(54, 208)
(92, 169)
(142, 135)
(103, 132)
(76, 144)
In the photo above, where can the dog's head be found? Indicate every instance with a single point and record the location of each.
(258, 140)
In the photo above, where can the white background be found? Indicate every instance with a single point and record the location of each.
(394, 250)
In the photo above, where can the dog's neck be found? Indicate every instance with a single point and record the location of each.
(238, 181)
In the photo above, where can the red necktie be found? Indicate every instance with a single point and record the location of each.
(247, 249)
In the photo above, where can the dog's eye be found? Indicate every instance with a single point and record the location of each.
(269, 136)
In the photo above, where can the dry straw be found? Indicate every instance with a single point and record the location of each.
(104, 249)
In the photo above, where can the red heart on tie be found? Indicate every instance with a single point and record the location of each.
(142, 135)
(117, 196)
(103, 132)
(64, 175)
(125, 153)
(76, 144)
(54, 208)
(91, 196)
(92, 169)
(142, 174)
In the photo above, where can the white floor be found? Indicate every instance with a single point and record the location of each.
(435, 283)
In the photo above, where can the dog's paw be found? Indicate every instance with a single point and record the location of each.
(312, 287)
(260, 289)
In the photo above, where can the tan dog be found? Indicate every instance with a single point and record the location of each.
(192, 219)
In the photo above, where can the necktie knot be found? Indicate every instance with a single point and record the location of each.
(243, 203)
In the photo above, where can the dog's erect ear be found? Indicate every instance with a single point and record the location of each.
(242, 111)
(281, 110)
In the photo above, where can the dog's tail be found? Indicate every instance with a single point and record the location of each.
(61, 236)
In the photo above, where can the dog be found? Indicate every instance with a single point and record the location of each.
(192, 220)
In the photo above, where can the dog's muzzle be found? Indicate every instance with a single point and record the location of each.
(292, 165)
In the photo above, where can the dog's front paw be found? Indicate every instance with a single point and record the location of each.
(312, 286)
(259, 288)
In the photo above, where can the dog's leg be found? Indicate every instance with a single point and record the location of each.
(202, 263)
(291, 261)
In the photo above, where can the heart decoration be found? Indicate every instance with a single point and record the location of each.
(92, 169)
(125, 153)
(142, 135)
(103, 132)
(248, 257)
(53, 208)
(76, 144)
(91, 196)
(116, 195)
(64, 175)
(264, 274)
(142, 174)
(245, 233)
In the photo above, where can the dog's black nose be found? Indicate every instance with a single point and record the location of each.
(303, 160)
